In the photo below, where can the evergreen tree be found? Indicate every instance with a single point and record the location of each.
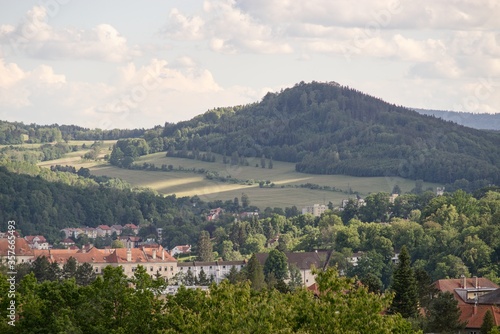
(69, 268)
(189, 279)
(203, 279)
(255, 273)
(41, 269)
(488, 322)
(205, 249)
(85, 274)
(404, 286)
(245, 201)
(443, 314)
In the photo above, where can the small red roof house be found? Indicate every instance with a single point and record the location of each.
(475, 297)
(181, 249)
(133, 227)
(130, 241)
(214, 214)
(103, 230)
(116, 229)
(37, 241)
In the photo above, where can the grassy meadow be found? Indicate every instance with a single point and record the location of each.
(188, 183)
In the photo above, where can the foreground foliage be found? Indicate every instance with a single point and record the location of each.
(114, 304)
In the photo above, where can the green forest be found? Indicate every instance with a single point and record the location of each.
(326, 128)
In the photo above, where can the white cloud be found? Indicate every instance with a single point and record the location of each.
(35, 37)
(182, 27)
(228, 29)
(139, 95)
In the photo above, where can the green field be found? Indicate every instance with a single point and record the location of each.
(283, 174)
(75, 158)
(184, 183)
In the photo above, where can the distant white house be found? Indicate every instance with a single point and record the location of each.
(316, 209)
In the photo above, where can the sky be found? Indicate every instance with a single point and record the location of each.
(130, 64)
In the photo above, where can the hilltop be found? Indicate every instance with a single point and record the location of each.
(326, 128)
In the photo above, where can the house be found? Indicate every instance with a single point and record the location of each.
(130, 241)
(116, 229)
(37, 241)
(90, 232)
(67, 242)
(134, 228)
(181, 249)
(214, 214)
(70, 232)
(103, 231)
(475, 297)
(304, 261)
(24, 253)
(354, 258)
(217, 270)
(316, 210)
(249, 214)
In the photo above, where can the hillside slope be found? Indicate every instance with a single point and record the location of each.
(326, 128)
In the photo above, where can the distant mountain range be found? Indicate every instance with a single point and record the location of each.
(476, 121)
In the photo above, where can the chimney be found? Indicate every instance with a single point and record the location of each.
(464, 281)
(129, 255)
(477, 284)
(474, 310)
(163, 255)
(154, 253)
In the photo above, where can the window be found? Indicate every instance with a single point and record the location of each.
(159, 268)
(151, 268)
(210, 267)
(133, 269)
(223, 267)
(172, 268)
(96, 269)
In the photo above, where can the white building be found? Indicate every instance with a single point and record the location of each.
(316, 209)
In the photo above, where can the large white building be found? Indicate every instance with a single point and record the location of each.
(316, 209)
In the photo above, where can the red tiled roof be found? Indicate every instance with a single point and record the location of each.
(451, 284)
(21, 245)
(183, 248)
(67, 241)
(104, 227)
(475, 320)
(31, 238)
(131, 226)
(470, 312)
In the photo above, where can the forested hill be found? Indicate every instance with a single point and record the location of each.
(330, 129)
(476, 121)
(18, 132)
